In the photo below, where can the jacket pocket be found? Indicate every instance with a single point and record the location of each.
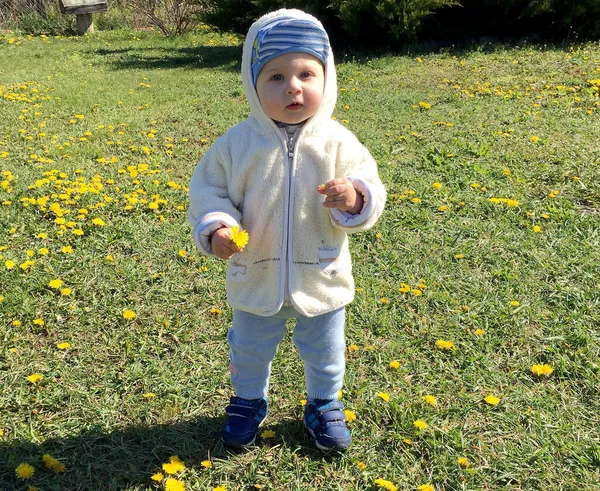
(329, 260)
(237, 271)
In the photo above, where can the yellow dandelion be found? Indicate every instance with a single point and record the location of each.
(220, 488)
(267, 434)
(98, 221)
(361, 465)
(182, 253)
(416, 292)
(514, 303)
(384, 300)
(38, 322)
(216, 311)
(173, 466)
(387, 485)
(35, 378)
(479, 332)
(431, 400)
(394, 364)
(384, 395)
(63, 345)
(420, 424)
(206, 464)
(55, 284)
(239, 237)
(66, 292)
(537, 229)
(174, 485)
(492, 400)
(158, 477)
(53, 464)
(24, 471)
(444, 345)
(426, 487)
(129, 314)
(541, 370)
(16, 323)
(463, 462)
(9, 264)
(437, 185)
(443, 208)
(67, 249)
(353, 347)
(404, 288)
(149, 395)
(350, 415)
(424, 105)
(534, 139)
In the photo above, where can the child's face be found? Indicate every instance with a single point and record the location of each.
(290, 87)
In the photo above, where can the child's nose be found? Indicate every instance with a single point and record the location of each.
(294, 86)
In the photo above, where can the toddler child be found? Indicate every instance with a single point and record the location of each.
(298, 182)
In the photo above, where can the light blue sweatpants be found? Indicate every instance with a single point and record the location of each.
(253, 341)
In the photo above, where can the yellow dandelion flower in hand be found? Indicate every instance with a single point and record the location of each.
(239, 236)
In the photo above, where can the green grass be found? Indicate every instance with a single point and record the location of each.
(475, 258)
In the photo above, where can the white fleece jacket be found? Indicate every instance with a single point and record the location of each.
(245, 178)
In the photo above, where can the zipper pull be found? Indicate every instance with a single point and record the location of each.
(291, 146)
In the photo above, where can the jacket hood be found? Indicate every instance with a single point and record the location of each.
(330, 91)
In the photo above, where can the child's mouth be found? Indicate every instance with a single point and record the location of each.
(294, 106)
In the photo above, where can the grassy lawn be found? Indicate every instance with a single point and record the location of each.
(485, 263)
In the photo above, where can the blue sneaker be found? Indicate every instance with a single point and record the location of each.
(326, 422)
(244, 416)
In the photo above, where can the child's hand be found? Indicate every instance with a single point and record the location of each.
(222, 244)
(340, 194)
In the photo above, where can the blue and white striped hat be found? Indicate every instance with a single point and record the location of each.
(288, 35)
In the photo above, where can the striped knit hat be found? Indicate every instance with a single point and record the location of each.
(288, 35)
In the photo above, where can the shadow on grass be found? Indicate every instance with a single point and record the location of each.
(218, 57)
(98, 461)
(124, 458)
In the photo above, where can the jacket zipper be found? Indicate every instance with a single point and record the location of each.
(291, 141)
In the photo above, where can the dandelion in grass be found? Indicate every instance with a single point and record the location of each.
(53, 464)
(353, 347)
(267, 434)
(443, 208)
(515, 303)
(420, 424)
(387, 485)
(424, 105)
(43, 251)
(431, 400)
(537, 229)
(173, 466)
(408, 441)
(206, 464)
(416, 292)
(55, 284)
(129, 315)
(394, 364)
(534, 139)
(479, 332)
(216, 311)
(384, 395)
(98, 222)
(24, 471)
(361, 465)
(492, 400)
(463, 462)
(67, 249)
(404, 288)
(239, 237)
(149, 396)
(174, 485)
(426, 487)
(63, 346)
(158, 477)
(384, 300)
(34, 378)
(65, 292)
(350, 415)
(9, 264)
(437, 185)
(220, 488)
(445, 345)
(16, 323)
(541, 370)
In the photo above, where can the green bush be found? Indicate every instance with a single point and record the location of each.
(53, 23)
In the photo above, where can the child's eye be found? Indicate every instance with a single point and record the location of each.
(277, 78)
(305, 74)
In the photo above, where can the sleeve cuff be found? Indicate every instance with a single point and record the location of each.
(345, 219)
(205, 227)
